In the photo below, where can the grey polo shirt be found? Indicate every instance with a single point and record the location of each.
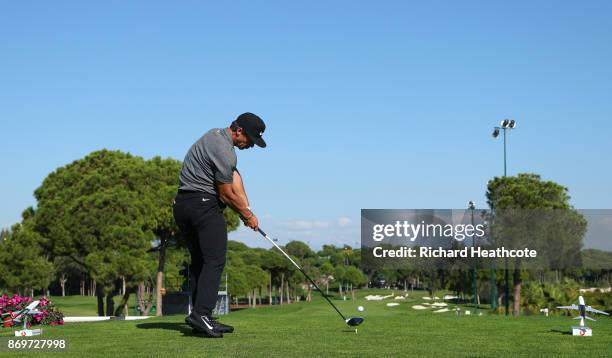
(212, 158)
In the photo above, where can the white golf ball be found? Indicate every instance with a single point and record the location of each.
(360, 308)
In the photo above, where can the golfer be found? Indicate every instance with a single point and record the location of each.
(208, 182)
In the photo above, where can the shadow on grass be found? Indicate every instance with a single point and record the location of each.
(561, 332)
(170, 326)
(234, 308)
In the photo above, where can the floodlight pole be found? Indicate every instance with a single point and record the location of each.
(506, 273)
(493, 297)
(506, 124)
(472, 206)
(504, 128)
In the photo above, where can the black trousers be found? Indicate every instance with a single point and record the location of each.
(199, 216)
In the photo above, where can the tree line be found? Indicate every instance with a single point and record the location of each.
(105, 221)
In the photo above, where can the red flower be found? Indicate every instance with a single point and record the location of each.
(38, 317)
(43, 302)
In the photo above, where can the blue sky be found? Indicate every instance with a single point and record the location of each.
(386, 104)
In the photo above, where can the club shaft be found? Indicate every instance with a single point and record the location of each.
(304, 273)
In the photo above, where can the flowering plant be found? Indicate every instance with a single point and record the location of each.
(10, 307)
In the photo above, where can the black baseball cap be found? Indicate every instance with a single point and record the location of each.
(253, 127)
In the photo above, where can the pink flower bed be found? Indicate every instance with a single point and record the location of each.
(10, 307)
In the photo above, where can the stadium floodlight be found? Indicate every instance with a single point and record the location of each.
(495, 132)
(512, 124)
(504, 123)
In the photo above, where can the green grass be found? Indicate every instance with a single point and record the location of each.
(314, 329)
(87, 306)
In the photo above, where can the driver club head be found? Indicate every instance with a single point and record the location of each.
(354, 321)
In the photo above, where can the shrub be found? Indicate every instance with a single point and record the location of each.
(10, 306)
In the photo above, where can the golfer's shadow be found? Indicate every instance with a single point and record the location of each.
(171, 326)
(561, 332)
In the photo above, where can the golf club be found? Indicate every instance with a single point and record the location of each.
(352, 321)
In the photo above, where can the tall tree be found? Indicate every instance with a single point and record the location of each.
(339, 276)
(355, 278)
(23, 263)
(256, 278)
(4, 233)
(326, 270)
(333, 254)
(554, 225)
(64, 268)
(161, 186)
(299, 249)
(273, 262)
(97, 211)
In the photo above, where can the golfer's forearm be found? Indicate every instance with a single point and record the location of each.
(238, 187)
(240, 205)
(229, 197)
